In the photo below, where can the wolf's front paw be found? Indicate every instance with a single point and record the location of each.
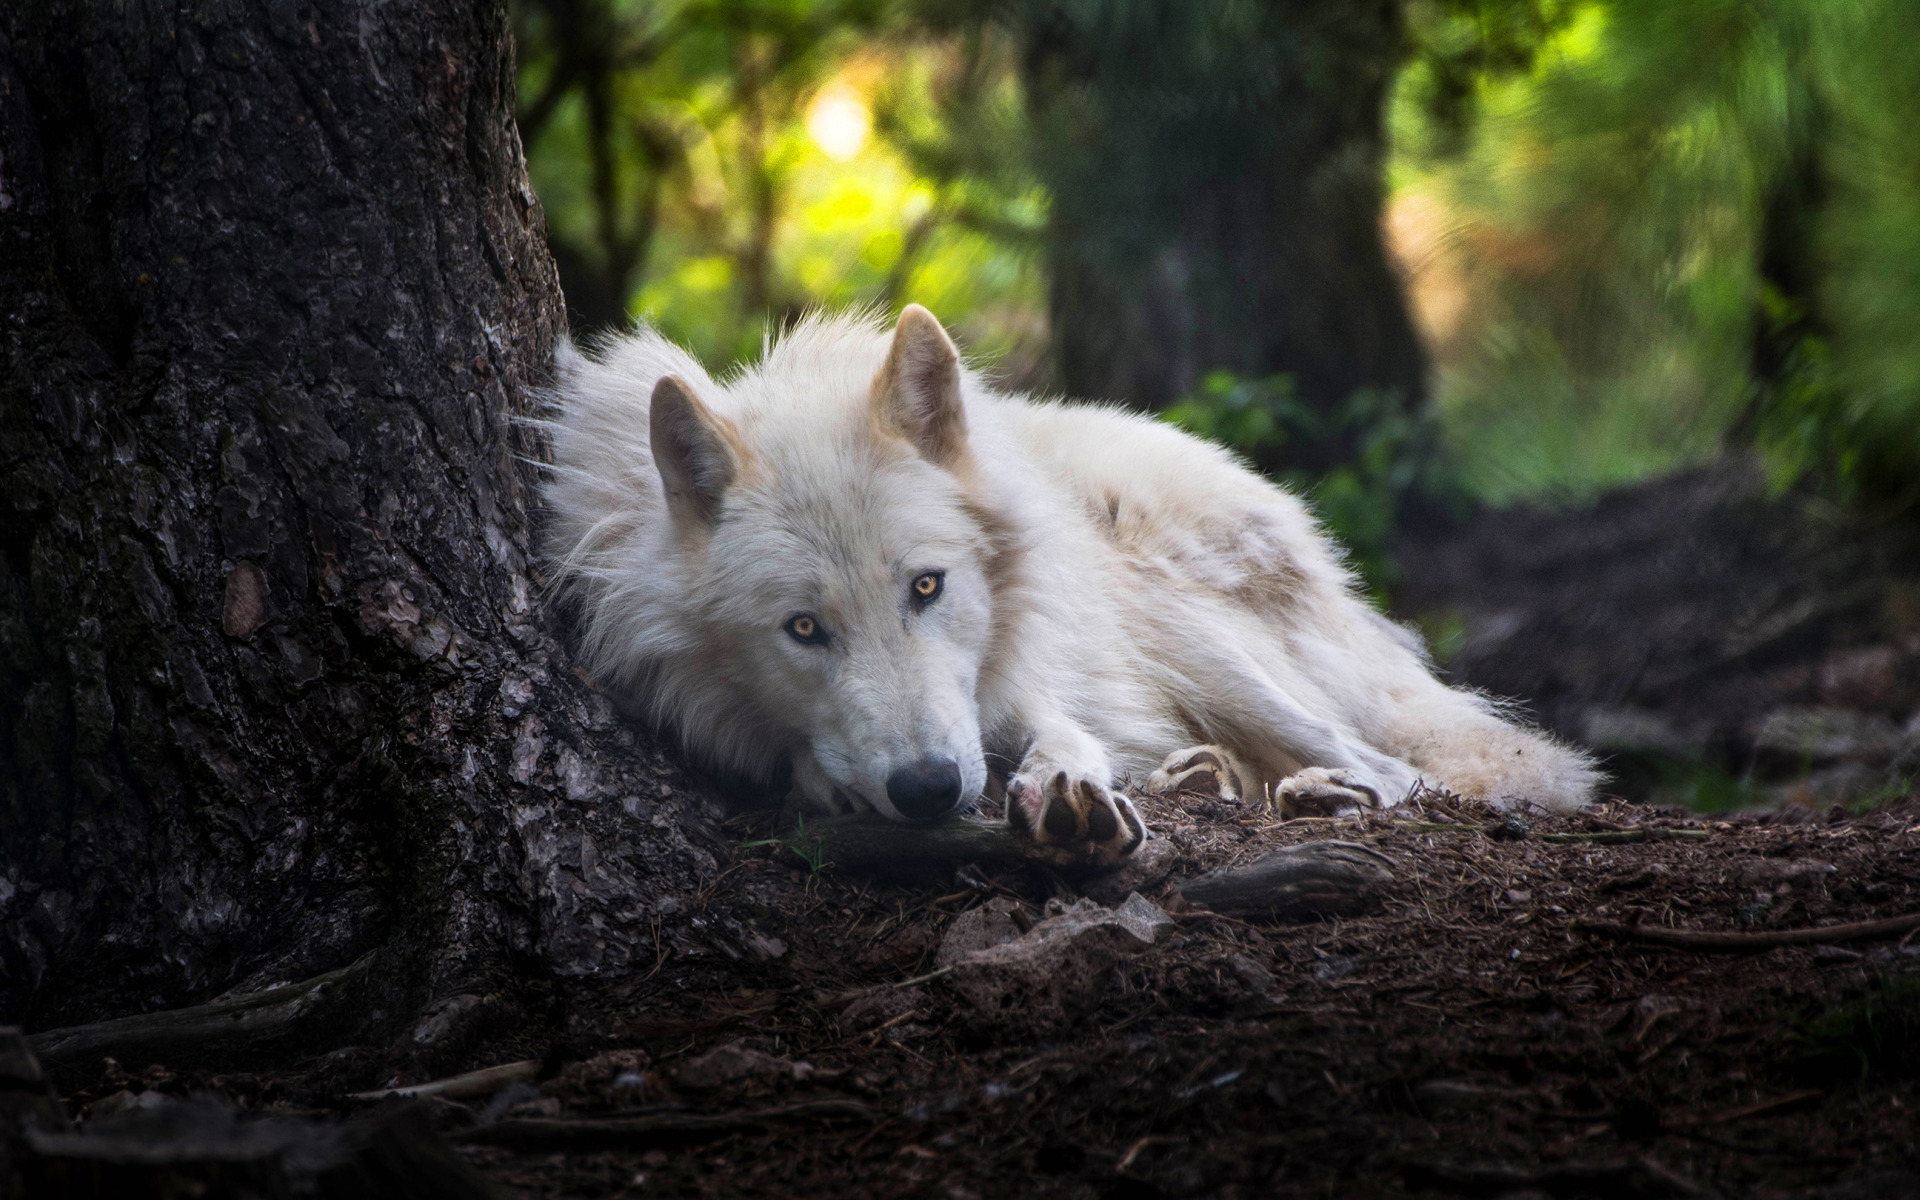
(1055, 808)
(1325, 791)
(1207, 768)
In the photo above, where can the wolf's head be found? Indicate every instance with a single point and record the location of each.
(805, 572)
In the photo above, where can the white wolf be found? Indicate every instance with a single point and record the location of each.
(857, 560)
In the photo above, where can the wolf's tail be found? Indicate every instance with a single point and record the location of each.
(1470, 746)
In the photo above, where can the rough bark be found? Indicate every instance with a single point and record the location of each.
(275, 687)
(1216, 178)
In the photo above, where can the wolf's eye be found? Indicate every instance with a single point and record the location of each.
(804, 629)
(926, 587)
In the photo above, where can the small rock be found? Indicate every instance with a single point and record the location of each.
(989, 924)
(1251, 973)
(736, 1064)
(1050, 975)
(1143, 918)
(1144, 868)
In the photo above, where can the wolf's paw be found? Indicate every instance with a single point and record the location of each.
(1055, 808)
(1324, 791)
(1210, 768)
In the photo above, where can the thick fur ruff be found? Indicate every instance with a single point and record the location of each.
(1109, 593)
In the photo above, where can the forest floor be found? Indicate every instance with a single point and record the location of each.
(1468, 1037)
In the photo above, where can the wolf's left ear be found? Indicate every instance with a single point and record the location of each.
(917, 394)
(694, 449)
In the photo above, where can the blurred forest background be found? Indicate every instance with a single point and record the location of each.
(1421, 258)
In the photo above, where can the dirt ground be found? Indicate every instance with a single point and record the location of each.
(1467, 1038)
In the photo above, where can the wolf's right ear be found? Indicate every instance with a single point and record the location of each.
(917, 393)
(695, 451)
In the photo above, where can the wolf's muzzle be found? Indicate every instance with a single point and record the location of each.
(927, 789)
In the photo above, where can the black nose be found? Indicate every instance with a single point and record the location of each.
(926, 789)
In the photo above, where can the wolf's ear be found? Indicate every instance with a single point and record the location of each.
(694, 450)
(917, 394)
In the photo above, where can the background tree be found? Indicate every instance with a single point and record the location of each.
(277, 688)
(1216, 177)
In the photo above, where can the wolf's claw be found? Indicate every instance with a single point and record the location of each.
(1058, 809)
(1197, 766)
(1324, 790)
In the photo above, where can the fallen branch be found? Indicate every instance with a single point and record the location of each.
(484, 1082)
(1703, 939)
(668, 1128)
(869, 842)
(1310, 880)
(240, 1024)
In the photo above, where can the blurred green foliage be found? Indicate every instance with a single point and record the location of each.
(1636, 233)
(1658, 228)
(708, 165)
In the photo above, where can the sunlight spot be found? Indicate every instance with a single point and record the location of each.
(838, 122)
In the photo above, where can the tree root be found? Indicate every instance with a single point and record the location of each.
(664, 1129)
(238, 1025)
(1310, 880)
(1708, 940)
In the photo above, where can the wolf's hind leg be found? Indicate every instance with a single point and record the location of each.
(1324, 791)
(1215, 768)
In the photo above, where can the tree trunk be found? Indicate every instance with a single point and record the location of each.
(1216, 180)
(277, 687)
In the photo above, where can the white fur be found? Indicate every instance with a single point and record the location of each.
(1115, 590)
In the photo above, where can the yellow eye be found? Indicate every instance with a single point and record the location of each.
(926, 587)
(801, 627)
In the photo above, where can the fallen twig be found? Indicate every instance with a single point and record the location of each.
(1704, 939)
(484, 1082)
(1759, 1109)
(663, 1128)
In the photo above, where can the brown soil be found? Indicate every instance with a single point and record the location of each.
(1467, 1039)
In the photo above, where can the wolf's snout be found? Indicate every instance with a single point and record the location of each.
(925, 790)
